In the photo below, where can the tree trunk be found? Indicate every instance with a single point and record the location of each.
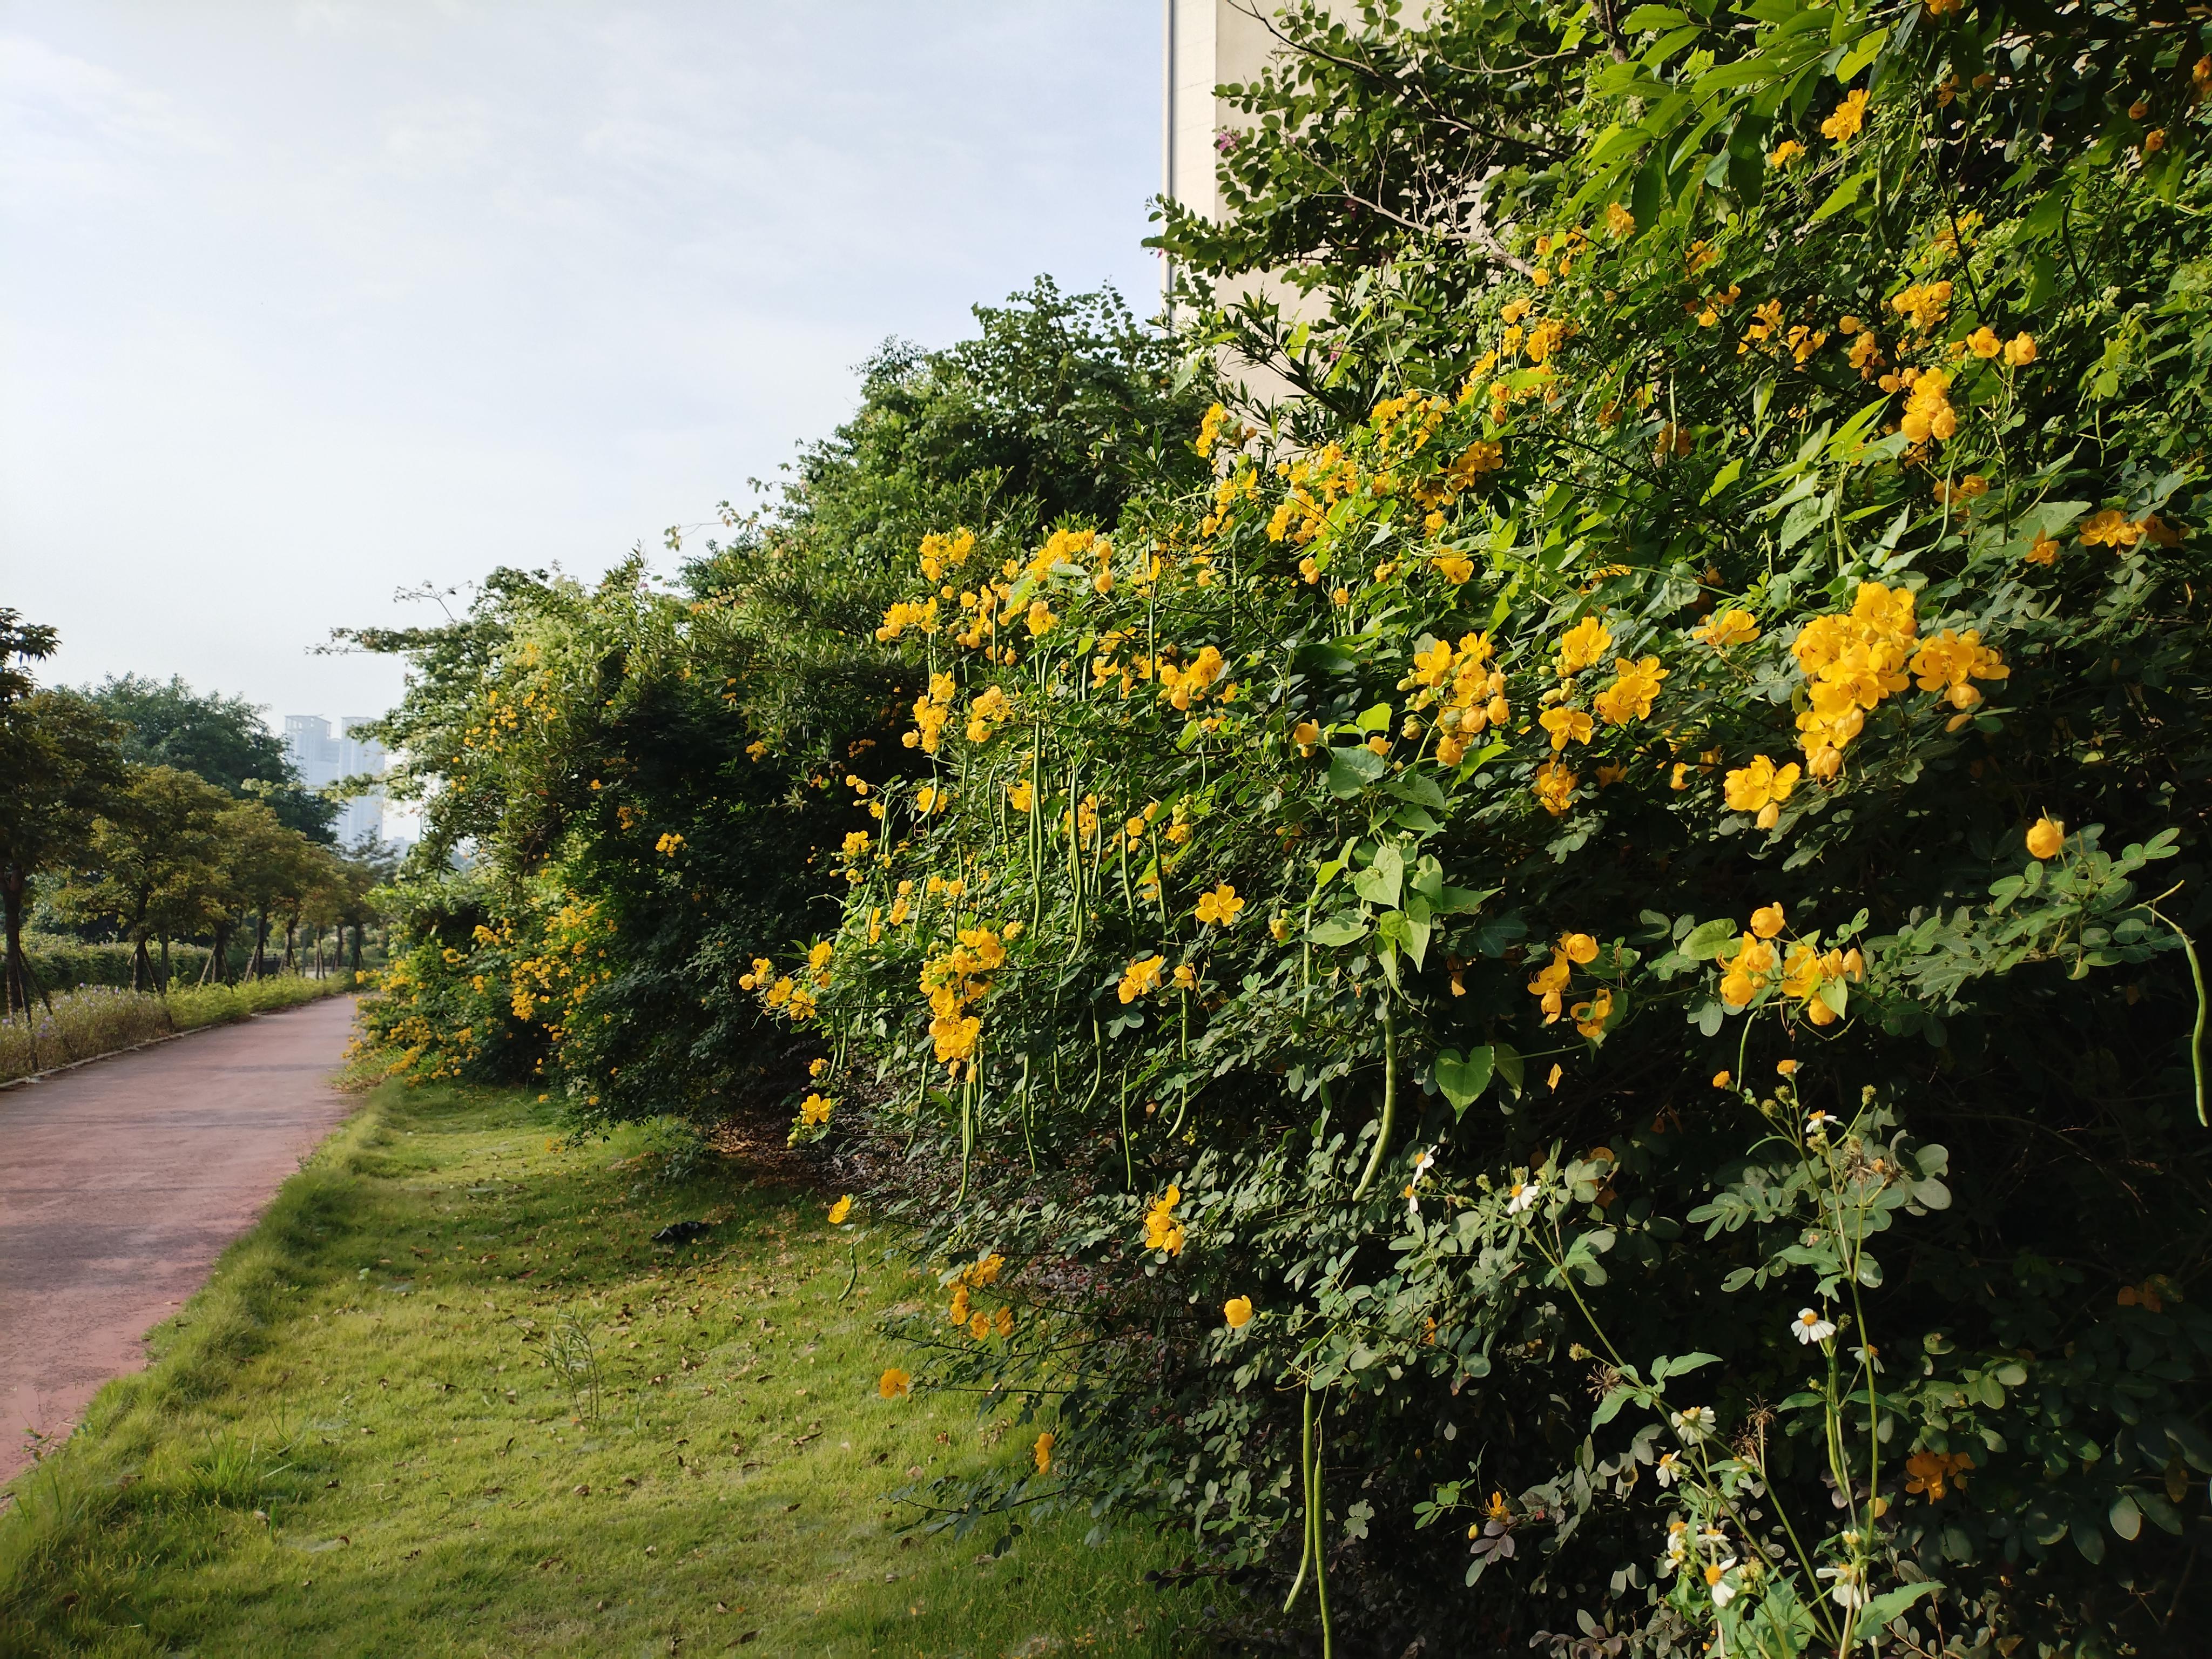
(257, 965)
(215, 970)
(357, 947)
(142, 967)
(166, 974)
(291, 946)
(19, 983)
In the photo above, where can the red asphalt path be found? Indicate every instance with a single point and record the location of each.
(122, 1181)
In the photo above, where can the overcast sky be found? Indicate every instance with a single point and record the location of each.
(301, 304)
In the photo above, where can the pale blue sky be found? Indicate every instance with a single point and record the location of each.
(300, 303)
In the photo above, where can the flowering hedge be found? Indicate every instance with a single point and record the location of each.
(1586, 972)
(1563, 1003)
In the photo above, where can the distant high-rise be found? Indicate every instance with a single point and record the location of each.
(323, 759)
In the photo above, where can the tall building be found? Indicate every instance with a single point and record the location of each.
(1210, 44)
(322, 759)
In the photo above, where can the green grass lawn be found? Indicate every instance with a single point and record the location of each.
(374, 1433)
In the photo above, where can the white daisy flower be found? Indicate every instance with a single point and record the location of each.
(1820, 1123)
(1848, 1590)
(1724, 1592)
(1811, 1327)
(1693, 1424)
(1670, 1469)
(1523, 1195)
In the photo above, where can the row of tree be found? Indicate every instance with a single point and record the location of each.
(143, 810)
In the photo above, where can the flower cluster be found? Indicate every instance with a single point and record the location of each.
(1162, 1231)
(954, 983)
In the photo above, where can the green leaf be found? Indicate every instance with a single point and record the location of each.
(1722, 479)
(1351, 770)
(1383, 881)
(1874, 1616)
(1710, 940)
(1457, 901)
(1507, 1059)
(1840, 198)
(2125, 1516)
(1460, 1080)
(1415, 818)
(1860, 56)
(1345, 927)
(1419, 789)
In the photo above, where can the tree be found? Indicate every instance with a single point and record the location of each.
(150, 863)
(221, 739)
(266, 867)
(59, 764)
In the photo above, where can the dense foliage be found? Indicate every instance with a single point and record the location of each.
(644, 779)
(1573, 976)
(100, 831)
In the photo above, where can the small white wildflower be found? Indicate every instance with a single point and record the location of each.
(1811, 1327)
(1524, 1195)
(1693, 1424)
(1818, 1125)
(1670, 1469)
(1848, 1590)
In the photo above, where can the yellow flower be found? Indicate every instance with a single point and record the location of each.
(1550, 981)
(1141, 976)
(1186, 978)
(814, 1109)
(1928, 411)
(1784, 152)
(895, 1384)
(1754, 787)
(1020, 795)
(1583, 645)
(1578, 948)
(857, 842)
(1162, 1231)
(1555, 786)
(1306, 735)
(1850, 116)
(2020, 351)
(1566, 725)
(1720, 1079)
(1043, 1450)
(1455, 567)
(979, 1325)
(1589, 1017)
(1619, 219)
(839, 1210)
(1629, 697)
(1220, 906)
(1237, 1311)
(2111, 528)
(1279, 926)
(1767, 920)
(1983, 342)
(2045, 837)
(2046, 551)
(1733, 626)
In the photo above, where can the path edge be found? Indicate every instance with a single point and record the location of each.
(28, 1079)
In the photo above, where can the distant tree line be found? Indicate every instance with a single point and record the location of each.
(152, 814)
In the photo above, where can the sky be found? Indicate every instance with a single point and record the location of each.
(301, 305)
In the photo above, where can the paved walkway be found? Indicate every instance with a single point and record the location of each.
(120, 1182)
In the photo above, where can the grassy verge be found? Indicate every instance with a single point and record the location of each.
(376, 1431)
(97, 1019)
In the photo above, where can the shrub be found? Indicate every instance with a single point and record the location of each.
(1559, 975)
